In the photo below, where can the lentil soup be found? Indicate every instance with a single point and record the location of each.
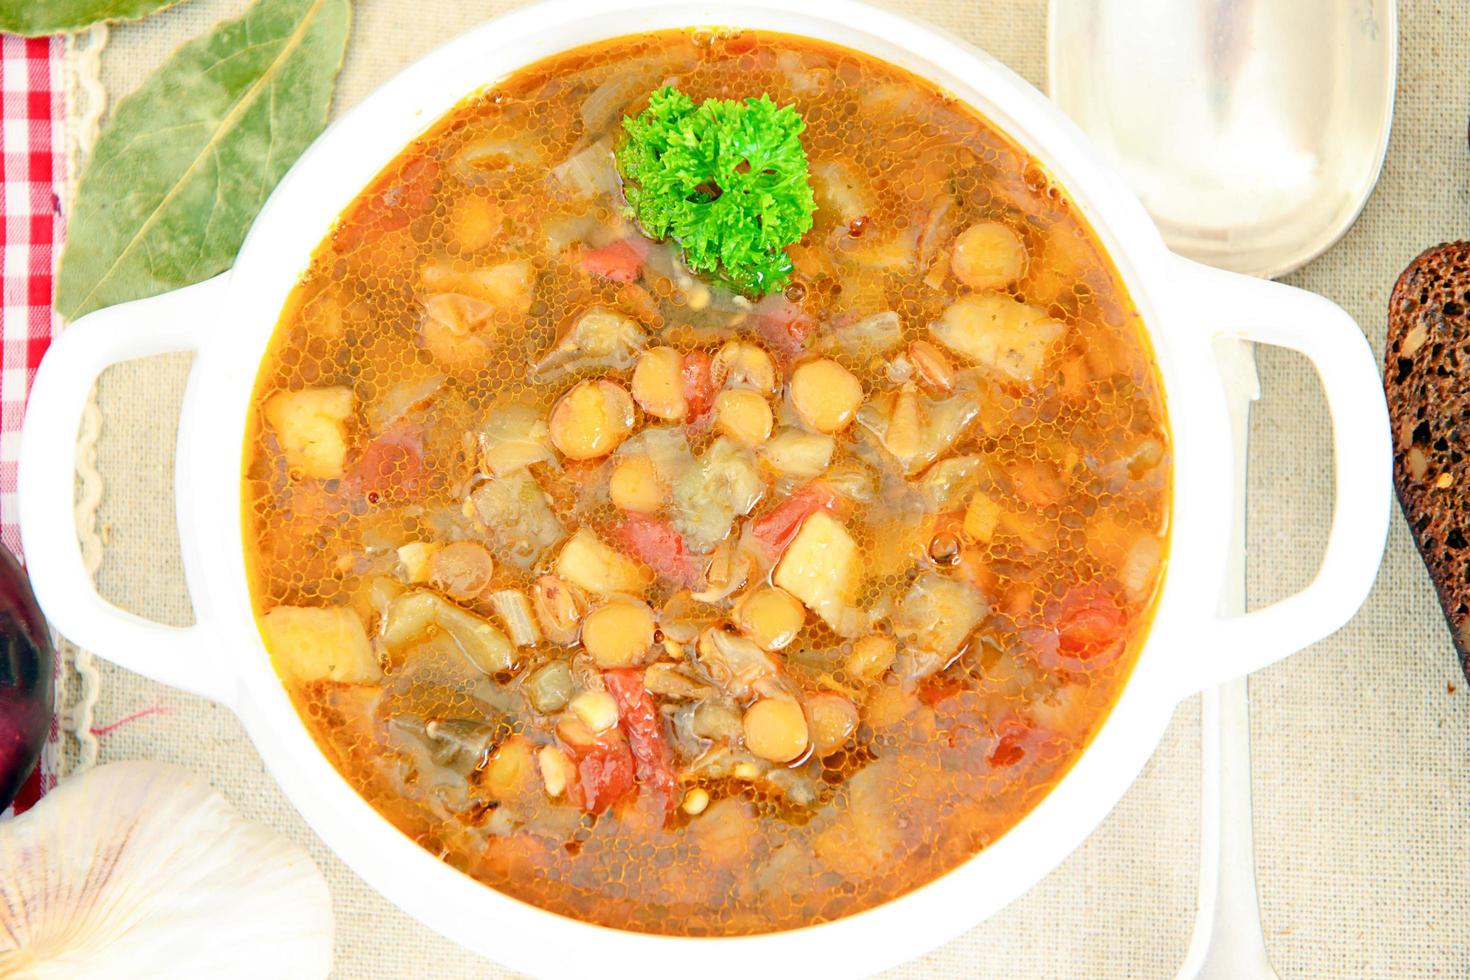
(682, 610)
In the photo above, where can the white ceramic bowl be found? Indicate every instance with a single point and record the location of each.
(227, 321)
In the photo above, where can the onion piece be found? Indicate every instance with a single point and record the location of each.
(722, 485)
(589, 172)
(876, 334)
(665, 447)
(399, 400)
(599, 338)
(513, 438)
(735, 664)
(1141, 566)
(729, 569)
(683, 618)
(514, 610)
(935, 618)
(488, 158)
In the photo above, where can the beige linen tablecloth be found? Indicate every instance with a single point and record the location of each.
(1362, 775)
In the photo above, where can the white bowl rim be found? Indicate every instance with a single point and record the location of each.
(244, 306)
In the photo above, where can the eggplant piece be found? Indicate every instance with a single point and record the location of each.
(27, 672)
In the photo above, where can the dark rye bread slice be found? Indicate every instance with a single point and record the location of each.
(1427, 378)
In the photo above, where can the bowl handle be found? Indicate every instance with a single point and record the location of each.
(181, 657)
(1228, 305)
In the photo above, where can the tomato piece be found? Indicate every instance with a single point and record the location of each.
(1091, 631)
(783, 325)
(604, 771)
(620, 261)
(409, 193)
(776, 529)
(640, 721)
(655, 543)
(1091, 626)
(699, 385)
(1019, 740)
(390, 468)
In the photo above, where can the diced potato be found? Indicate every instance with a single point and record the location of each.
(798, 455)
(743, 415)
(1000, 332)
(504, 285)
(871, 658)
(741, 364)
(825, 395)
(595, 709)
(877, 253)
(619, 633)
(840, 192)
(822, 567)
(587, 562)
(1140, 569)
(452, 348)
(557, 770)
(890, 704)
(770, 616)
(591, 420)
(635, 485)
(1067, 254)
(460, 315)
(833, 720)
(475, 222)
(865, 834)
(988, 255)
(311, 426)
(775, 729)
(658, 384)
(414, 557)
(981, 518)
(310, 643)
(723, 833)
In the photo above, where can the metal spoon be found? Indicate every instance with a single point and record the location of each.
(1253, 131)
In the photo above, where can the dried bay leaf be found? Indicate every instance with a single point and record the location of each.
(185, 162)
(34, 18)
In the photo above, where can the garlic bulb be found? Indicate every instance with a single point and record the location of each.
(137, 869)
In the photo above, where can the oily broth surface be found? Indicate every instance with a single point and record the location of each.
(938, 768)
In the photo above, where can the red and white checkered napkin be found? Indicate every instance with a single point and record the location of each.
(32, 175)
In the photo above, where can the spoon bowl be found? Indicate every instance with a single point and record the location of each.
(1252, 130)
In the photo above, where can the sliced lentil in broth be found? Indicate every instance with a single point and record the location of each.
(970, 555)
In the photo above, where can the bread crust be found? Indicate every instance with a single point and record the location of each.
(1427, 379)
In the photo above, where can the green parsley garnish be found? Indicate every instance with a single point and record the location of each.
(727, 180)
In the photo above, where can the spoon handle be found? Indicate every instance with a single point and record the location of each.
(1228, 942)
